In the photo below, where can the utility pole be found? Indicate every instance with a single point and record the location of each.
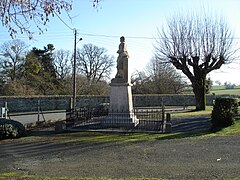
(74, 102)
(74, 71)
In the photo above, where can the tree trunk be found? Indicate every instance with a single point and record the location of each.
(199, 90)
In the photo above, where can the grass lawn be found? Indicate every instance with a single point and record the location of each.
(193, 113)
(218, 90)
(235, 91)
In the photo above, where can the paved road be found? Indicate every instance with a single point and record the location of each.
(25, 119)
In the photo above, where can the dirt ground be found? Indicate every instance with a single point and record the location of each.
(191, 158)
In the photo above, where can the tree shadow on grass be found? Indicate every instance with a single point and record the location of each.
(38, 143)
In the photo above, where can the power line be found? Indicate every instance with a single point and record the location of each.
(63, 21)
(115, 36)
(131, 37)
(66, 34)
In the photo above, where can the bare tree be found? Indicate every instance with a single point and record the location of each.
(62, 62)
(13, 54)
(94, 63)
(196, 46)
(16, 15)
(164, 76)
(158, 78)
(140, 83)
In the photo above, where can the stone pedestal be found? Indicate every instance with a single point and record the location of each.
(121, 112)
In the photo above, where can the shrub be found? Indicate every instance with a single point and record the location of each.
(11, 129)
(224, 111)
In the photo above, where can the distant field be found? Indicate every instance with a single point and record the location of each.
(218, 90)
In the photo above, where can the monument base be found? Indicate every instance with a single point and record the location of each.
(121, 113)
(125, 120)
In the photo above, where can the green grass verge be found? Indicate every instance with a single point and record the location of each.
(238, 178)
(231, 130)
(103, 137)
(15, 176)
(192, 113)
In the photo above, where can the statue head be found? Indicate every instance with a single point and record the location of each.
(122, 39)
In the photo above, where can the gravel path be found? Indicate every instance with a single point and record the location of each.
(189, 158)
(195, 158)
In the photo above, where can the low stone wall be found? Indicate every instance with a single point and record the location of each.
(167, 100)
(48, 103)
(148, 100)
(35, 103)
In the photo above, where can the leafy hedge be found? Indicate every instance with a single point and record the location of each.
(224, 111)
(11, 129)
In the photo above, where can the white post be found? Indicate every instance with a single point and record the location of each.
(6, 110)
(38, 107)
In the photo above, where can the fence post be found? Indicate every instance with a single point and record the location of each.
(168, 124)
(163, 111)
(38, 108)
(6, 110)
(163, 117)
(70, 105)
(184, 102)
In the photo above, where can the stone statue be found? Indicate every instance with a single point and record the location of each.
(122, 61)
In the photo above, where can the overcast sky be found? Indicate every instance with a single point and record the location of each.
(138, 21)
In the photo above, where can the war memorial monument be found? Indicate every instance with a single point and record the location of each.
(121, 112)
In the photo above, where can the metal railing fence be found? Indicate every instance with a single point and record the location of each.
(140, 119)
